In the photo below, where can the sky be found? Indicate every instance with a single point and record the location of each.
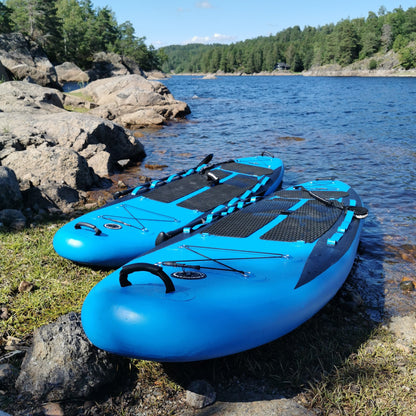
(179, 22)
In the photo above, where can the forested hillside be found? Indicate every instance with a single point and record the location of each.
(341, 43)
(73, 30)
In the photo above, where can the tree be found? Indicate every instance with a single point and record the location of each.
(128, 44)
(347, 43)
(38, 19)
(408, 56)
(74, 26)
(5, 19)
(386, 37)
(103, 30)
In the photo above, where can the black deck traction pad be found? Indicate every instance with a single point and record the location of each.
(243, 223)
(300, 194)
(246, 169)
(307, 223)
(219, 194)
(183, 186)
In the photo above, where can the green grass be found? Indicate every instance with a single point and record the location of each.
(76, 109)
(379, 379)
(81, 96)
(59, 285)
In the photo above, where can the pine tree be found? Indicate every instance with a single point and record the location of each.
(37, 19)
(5, 19)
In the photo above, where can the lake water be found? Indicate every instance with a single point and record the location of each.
(359, 130)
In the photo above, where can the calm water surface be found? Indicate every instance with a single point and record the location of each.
(360, 130)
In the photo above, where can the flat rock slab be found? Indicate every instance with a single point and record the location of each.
(278, 407)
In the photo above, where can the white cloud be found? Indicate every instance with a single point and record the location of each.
(204, 5)
(215, 38)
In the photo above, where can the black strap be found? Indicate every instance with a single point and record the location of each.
(359, 212)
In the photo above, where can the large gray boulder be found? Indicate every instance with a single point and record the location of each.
(4, 76)
(24, 58)
(107, 65)
(10, 195)
(55, 153)
(87, 135)
(51, 164)
(62, 364)
(38, 117)
(133, 101)
(25, 97)
(69, 72)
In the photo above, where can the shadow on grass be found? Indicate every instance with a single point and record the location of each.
(288, 365)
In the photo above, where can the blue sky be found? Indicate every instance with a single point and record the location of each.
(168, 22)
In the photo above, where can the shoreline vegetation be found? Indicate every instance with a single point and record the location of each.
(381, 65)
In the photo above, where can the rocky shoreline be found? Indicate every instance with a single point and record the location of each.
(383, 65)
(56, 146)
(326, 71)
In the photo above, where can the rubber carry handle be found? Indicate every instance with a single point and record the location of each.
(205, 160)
(78, 225)
(145, 267)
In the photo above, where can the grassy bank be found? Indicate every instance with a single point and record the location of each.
(53, 286)
(338, 363)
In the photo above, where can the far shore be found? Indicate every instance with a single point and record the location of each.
(319, 72)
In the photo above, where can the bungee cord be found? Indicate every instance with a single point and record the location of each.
(119, 218)
(256, 255)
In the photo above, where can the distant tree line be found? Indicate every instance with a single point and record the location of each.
(73, 30)
(341, 43)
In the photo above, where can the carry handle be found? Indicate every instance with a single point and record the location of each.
(145, 267)
(78, 225)
(205, 160)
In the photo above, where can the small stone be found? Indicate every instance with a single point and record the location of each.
(12, 343)
(7, 373)
(200, 394)
(52, 409)
(407, 284)
(123, 163)
(407, 257)
(25, 287)
(4, 313)
(121, 185)
(404, 348)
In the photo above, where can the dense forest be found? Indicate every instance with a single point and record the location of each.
(342, 43)
(73, 30)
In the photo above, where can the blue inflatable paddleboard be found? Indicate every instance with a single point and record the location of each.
(231, 284)
(128, 226)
